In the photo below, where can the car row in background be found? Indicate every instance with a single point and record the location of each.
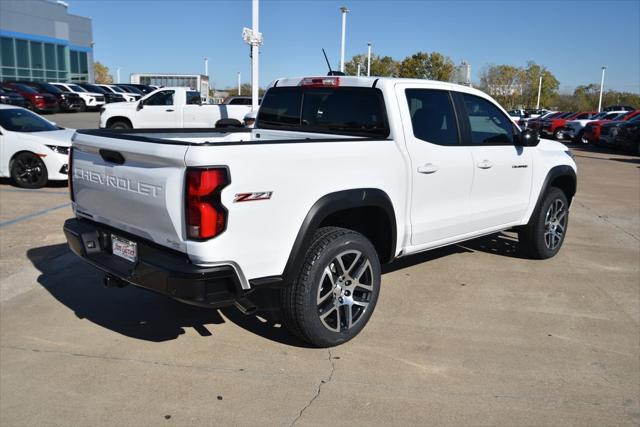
(615, 127)
(54, 97)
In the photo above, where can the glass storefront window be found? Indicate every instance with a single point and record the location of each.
(36, 55)
(6, 48)
(22, 53)
(8, 72)
(84, 67)
(74, 61)
(50, 56)
(62, 58)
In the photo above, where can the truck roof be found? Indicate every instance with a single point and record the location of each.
(370, 82)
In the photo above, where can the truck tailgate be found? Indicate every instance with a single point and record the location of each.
(131, 185)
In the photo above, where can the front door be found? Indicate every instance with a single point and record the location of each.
(441, 168)
(159, 111)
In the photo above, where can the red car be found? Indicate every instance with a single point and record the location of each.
(35, 101)
(592, 130)
(536, 123)
(554, 125)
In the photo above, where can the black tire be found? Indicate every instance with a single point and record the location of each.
(323, 297)
(579, 137)
(120, 124)
(228, 123)
(28, 171)
(543, 236)
(555, 133)
(83, 106)
(29, 105)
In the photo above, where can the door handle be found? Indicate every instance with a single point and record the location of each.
(485, 164)
(169, 110)
(428, 168)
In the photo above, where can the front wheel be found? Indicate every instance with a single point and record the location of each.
(335, 293)
(28, 171)
(120, 125)
(543, 236)
(83, 106)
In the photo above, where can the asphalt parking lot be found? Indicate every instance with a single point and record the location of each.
(467, 335)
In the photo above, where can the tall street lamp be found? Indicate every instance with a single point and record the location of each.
(344, 11)
(601, 89)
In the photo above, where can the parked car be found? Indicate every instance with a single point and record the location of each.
(536, 123)
(11, 97)
(130, 89)
(33, 150)
(592, 130)
(340, 175)
(554, 126)
(109, 96)
(88, 100)
(171, 107)
(516, 115)
(128, 97)
(628, 136)
(574, 129)
(144, 88)
(67, 101)
(41, 102)
(609, 131)
(618, 108)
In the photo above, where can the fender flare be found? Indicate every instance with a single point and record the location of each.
(321, 209)
(557, 172)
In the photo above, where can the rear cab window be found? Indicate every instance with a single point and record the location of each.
(357, 111)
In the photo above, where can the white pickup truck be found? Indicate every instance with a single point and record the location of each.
(170, 107)
(340, 175)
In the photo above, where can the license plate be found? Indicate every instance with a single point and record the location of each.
(124, 248)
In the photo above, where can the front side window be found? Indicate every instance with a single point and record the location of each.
(432, 116)
(164, 97)
(488, 125)
(193, 98)
(20, 120)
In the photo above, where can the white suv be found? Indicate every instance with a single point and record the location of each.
(90, 100)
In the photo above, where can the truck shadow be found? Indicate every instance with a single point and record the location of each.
(144, 315)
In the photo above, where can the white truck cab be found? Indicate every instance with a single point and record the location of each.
(340, 175)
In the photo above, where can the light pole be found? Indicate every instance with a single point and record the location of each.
(368, 59)
(539, 90)
(344, 11)
(253, 37)
(239, 85)
(206, 67)
(358, 70)
(601, 89)
(118, 75)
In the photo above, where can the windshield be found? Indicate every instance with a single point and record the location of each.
(49, 88)
(25, 88)
(132, 89)
(602, 115)
(116, 89)
(76, 88)
(94, 88)
(20, 120)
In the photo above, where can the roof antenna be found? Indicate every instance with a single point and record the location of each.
(331, 72)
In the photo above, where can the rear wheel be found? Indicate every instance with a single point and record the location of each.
(121, 124)
(332, 298)
(28, 171)
(543, 236)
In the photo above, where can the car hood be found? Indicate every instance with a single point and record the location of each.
(60, 137)
(120, 106)
(550, 145)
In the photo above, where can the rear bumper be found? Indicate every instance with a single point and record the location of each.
(157, 269)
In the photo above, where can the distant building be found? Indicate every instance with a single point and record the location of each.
(40, 40)
(199, 82)
(462, 74)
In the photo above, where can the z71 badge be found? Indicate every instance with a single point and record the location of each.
(252, 197)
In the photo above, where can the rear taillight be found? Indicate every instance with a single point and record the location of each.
(206, 217)
(70, 173)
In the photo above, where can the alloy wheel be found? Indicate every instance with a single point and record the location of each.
(28, 170)
(555, 224)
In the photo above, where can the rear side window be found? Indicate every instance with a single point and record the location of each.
(432, 116)
(345, 110)
(488, 125)
(193, 98)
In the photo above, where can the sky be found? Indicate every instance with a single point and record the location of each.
(574, 39)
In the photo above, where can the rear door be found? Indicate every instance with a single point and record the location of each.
(161, 110)
(441, 168)
(502, 170)
(131, 185)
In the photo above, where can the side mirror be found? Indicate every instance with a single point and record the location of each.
(528, 138)
(140, 105)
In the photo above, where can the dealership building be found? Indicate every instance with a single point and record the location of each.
(40, 40)
(199, 82)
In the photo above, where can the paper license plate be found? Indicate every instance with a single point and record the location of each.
(124, 248)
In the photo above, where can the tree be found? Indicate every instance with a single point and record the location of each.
(384, 66)
(422, 65)
(102, 75)
(531, 81)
